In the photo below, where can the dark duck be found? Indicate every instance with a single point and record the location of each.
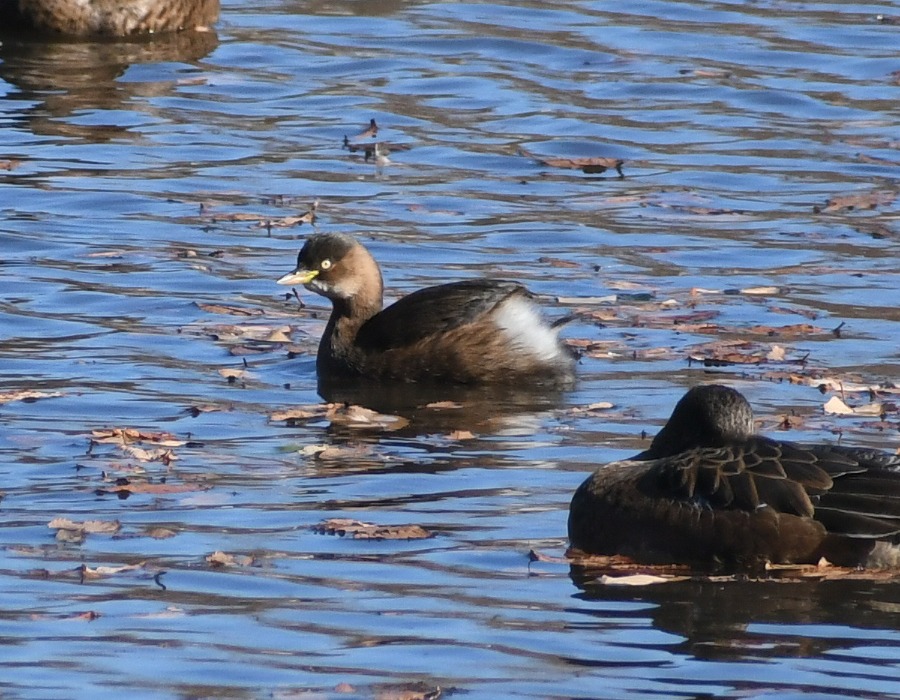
(115, 18)
(472, 332)
(711, 492)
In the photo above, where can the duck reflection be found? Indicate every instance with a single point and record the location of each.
(746, 619)
(62, 77)
(445, 408)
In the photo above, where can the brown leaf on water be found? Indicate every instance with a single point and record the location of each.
(790, 422)
(228, 309)
(592, 408)
(850, 385)
(222, 559)
(535, 555)
(27, 395)
(361, 418)
(338, 453)
(157, 455)
(287, 221)
(160, 533)
(123, 486)
(858, 201)
(760, 291)
(706, 72)
(359, 530)
(101, 571)
(72, 531)
(557, 262)
(708, 211)
(127, 436)
(589, 166)
(198, 408)
(91, 526)
(86, 616)
(616, 565)
(9, 164)
(109, 254)
(232, 374)
(796, 329)
(737, 352)
(441, 405)
(625, 285)
(416, 691)
(808, 313)
(299, 413)
(460, 435)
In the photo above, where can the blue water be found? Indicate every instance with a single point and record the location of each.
(146, 181)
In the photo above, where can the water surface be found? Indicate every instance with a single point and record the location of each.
(139, 244)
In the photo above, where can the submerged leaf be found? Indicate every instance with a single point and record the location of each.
(369, 531)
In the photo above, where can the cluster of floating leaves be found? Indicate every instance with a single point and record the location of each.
(618, 570)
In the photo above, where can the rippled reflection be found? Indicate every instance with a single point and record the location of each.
(147, 191)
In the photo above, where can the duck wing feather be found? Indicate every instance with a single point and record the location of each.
(432, 311)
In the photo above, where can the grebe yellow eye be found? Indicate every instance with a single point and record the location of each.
(325, 264)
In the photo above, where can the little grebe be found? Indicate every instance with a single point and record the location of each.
(711, 492)
(116, 18)
(469, 332)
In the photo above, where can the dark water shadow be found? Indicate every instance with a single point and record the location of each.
(442, 408)
(739, 620)
(64, 76)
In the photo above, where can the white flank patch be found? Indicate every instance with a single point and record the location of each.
(522, 323)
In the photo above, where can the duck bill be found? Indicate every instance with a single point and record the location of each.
(298, 276)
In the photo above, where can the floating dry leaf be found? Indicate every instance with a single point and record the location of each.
(228, 309)
(369, 531)
(586, 165)
(72, 531)
(219, 558)
(595, 407)
(160, 533)
(776, 354)
(299, 413)
(361, 418)
(535, 555)
(231, 374)
(736, 352)
(99, 571)
(156, 455)
(125, 486)
(459, 435)
(760, 291)
(557, 262)
(443, 404)
(595, 566)
(109, 254)
(339, 453)
(849, 385)
(27, 395)
(287, 221)
(859, 201)
(790, 330)
(125, 436)
(418, 691)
